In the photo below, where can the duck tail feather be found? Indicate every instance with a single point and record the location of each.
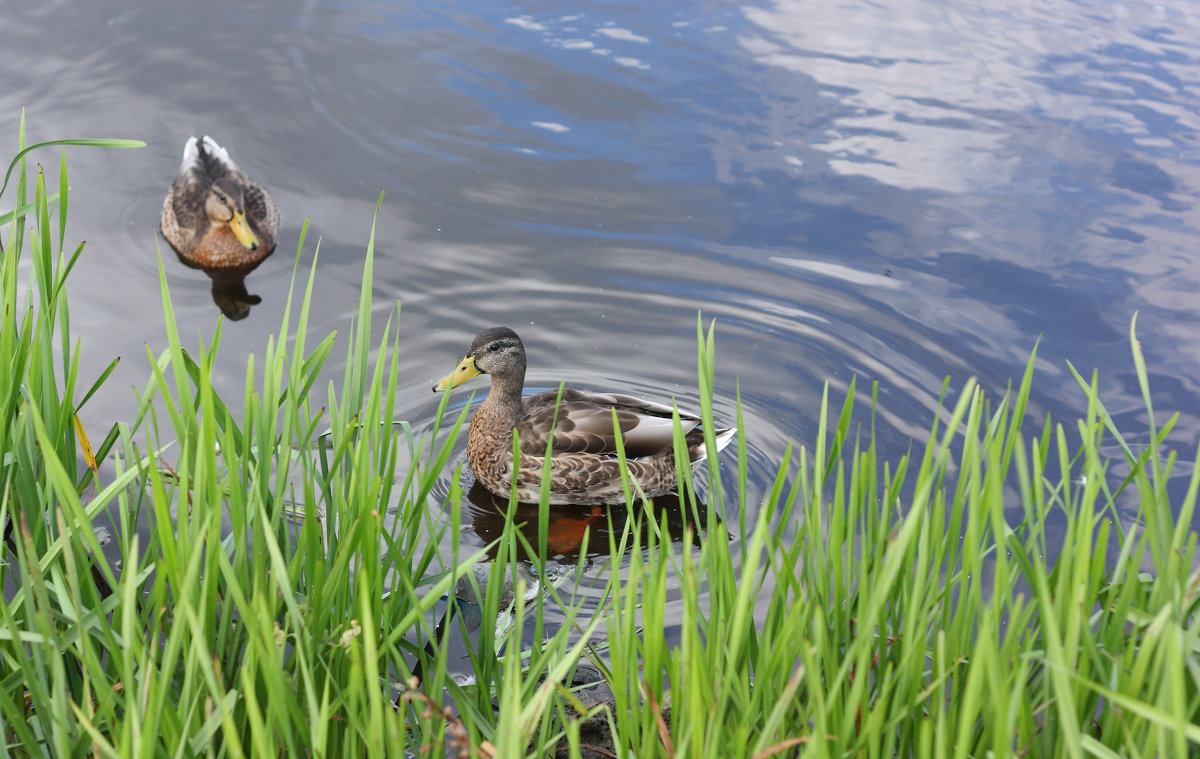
(191, 155)
(725, 437)
(213, 153)
(722, 438)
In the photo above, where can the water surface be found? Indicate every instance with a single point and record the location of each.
(898, 191)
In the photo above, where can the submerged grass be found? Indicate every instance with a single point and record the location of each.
(980, 596)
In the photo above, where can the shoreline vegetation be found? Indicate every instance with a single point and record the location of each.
(981, 595)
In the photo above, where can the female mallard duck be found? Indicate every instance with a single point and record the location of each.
(583, 458)
(216, 217)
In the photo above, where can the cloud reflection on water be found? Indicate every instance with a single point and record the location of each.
(1050, 150)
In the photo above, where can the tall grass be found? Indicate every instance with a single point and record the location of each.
(281, 580)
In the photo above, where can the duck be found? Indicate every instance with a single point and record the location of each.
(577, 430)
(215, 216)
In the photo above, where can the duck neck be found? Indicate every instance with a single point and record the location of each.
(505, 395)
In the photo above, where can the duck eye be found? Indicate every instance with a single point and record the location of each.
(494, 347)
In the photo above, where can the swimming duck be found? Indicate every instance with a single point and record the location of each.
(583, 459)
(216, 217)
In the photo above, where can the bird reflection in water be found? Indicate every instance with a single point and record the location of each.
(570, 533)
(567, 527)
(229, 290)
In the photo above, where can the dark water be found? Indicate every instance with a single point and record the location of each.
(895, 190)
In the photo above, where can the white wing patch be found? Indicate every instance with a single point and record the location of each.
(652, 432)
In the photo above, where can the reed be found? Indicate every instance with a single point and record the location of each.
(278, 585)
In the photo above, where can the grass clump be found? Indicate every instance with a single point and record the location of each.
(980, 596)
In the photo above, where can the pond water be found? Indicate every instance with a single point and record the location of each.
(897, 190)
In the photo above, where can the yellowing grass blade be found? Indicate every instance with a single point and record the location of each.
(85, 445)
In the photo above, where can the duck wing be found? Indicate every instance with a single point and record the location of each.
(584, 424)
(260, 210)
(184, 220)
(184, 207)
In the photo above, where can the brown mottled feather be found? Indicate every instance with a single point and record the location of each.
(199, 241)
(578, 430)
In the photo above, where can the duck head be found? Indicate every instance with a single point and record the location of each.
(496, 351)
(226, 205)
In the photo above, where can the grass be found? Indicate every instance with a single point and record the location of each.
(280, 581)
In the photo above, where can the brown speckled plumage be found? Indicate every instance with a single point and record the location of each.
(583, 455)
(209, 191)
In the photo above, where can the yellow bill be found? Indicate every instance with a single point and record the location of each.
(465, 371)
(241, 230)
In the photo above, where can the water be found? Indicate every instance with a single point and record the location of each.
(899, 191)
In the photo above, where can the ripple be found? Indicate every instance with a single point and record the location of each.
(844, 200)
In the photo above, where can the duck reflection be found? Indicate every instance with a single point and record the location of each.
(567, 527)
(229, 290)
(570, 532)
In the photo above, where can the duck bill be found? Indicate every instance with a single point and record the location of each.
(465, 371)
(241, 230)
